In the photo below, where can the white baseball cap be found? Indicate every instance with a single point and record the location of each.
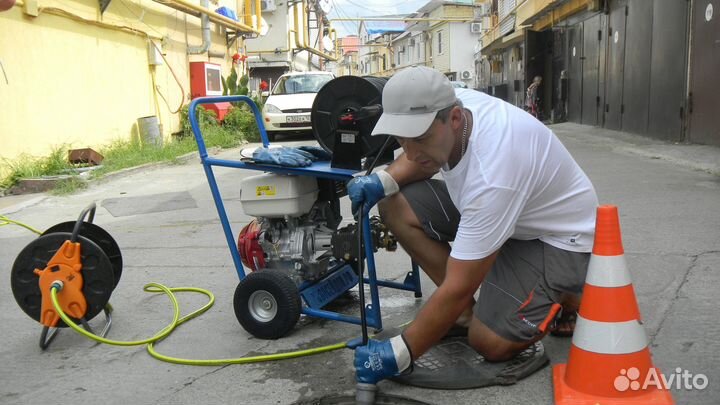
(411, 100)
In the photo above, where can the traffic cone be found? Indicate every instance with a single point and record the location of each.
(609, 357)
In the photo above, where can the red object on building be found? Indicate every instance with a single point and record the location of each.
(263, 85)
(349, 44)
(206, 80)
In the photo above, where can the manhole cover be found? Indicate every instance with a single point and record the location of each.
(453, 364)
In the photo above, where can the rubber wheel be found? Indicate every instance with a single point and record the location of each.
(267, 304)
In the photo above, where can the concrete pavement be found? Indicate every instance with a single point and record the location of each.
(668, 197)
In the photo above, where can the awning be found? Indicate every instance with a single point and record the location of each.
(504, 42)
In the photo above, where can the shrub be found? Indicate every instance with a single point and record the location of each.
(242, 120)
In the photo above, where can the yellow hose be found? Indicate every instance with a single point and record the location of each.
(177, 321)
(7, 221)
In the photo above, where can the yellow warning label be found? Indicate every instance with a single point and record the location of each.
(265, 190)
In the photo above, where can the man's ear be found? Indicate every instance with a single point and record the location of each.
(456, 117)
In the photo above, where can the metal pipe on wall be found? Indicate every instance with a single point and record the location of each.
(247, 12)
(205, 27)
(214, 17)
(306, 33)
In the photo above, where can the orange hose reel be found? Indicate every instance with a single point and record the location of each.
(66, 267)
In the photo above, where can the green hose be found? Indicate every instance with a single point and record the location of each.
(7, 221)
(177, 321)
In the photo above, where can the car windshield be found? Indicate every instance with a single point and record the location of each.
(300, 84)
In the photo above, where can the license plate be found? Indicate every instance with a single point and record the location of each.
(298, 118)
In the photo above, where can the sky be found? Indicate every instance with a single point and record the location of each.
(368, 8)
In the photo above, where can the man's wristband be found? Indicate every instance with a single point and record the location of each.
(403, 357)
(389, 184)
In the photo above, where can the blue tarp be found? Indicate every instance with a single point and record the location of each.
(381, 27)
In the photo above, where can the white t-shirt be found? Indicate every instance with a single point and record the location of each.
(517, 180)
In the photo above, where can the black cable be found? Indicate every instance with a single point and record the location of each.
(76, 229)
(361, 280)
(388, 138)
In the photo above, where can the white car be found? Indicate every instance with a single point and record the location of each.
(287, 108)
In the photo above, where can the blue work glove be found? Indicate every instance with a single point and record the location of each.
(370, 189)
(288, 157)
(381, 359)
(318, 152)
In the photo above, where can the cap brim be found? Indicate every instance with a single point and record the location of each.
(404, 125)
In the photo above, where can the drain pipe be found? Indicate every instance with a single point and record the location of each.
(304, 45)
(205, 26)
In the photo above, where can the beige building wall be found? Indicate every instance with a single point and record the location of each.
(441, 59)
(80, 78)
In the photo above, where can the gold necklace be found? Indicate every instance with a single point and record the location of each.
(464, 136)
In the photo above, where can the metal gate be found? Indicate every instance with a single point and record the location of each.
(704, 68)
(592, 35)
(575, 72)
(615, 65)
(636, 74)
(668, 71)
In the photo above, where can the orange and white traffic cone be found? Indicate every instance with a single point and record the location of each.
(609, 356)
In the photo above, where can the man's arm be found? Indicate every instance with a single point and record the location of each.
(404, 171)
(462, 279)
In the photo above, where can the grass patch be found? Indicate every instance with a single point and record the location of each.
(69, 186)
(238, 126)
(27, 166)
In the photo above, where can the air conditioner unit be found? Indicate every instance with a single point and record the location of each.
(476, 27)
(482, 10)
(466, 75)
(267, 6)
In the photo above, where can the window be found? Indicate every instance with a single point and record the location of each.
(301, 84)
(439, 42)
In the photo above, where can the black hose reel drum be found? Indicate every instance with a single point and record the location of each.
(343, 116)
(46, 258)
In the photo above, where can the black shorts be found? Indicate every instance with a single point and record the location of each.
(520, 297)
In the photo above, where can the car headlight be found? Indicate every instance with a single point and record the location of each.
(269, 108)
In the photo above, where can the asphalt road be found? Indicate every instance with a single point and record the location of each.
(668, 196)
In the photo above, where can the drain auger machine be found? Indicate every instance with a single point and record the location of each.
(298, 255)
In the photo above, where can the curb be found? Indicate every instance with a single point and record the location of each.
(130, 170)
